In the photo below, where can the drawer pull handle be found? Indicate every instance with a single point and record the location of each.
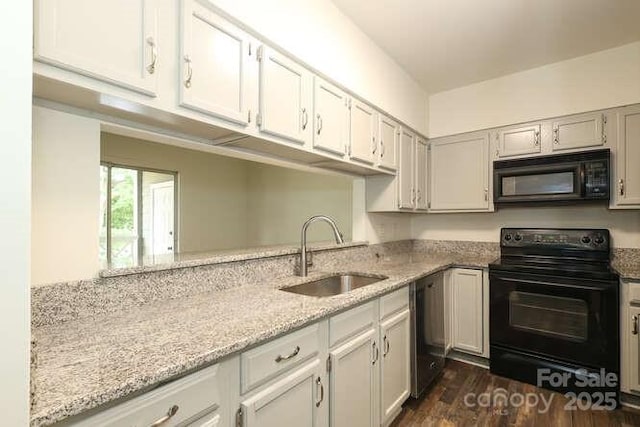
(293, 354)
(319, 382)
(376, 353)
(172, 411)
(387, 346)
(634, 325)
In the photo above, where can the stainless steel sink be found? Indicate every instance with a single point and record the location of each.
(334, 285)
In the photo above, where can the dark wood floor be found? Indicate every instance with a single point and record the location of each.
(444, 404)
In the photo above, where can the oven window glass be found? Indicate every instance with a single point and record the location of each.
(564, 318)
(548, 183)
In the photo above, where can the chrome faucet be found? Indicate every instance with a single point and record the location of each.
(303, 239)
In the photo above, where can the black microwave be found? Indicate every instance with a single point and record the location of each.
(560, 178)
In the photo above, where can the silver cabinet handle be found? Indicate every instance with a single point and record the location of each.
(634, 325)
(621, 185)
(387, 346)
(486, 194)
(295, 352)
(419, 195)
(151, 68)
(374, 146)
(305, 119)
(319, 382)
(172, 411)
(556, 136)
(604, 129)
(381, 148)
(376, 353)
(319, 123)
(187, 81)
(536, 138)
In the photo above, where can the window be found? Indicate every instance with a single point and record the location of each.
(137, 215)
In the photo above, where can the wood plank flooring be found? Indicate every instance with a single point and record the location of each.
(444, 404)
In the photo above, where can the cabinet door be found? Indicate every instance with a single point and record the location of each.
(406, 171)
(585, 130)
(518, 141)
(354, 378)
(294, 400)
(214, 64)
(111, 40)
(363, 132)
(633, 348)
(285, 97)
(627, 181)
(421, 174)
(395, 384)
(467, 313)
(389, 133)
(459, 173)
(331, 121)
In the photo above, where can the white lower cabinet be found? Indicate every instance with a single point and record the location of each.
(395, 384)
(298, 399)
(467, 292)
(630, 337)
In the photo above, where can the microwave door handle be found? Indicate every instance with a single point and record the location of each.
(583, 184)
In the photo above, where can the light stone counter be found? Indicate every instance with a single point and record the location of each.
(89, 361)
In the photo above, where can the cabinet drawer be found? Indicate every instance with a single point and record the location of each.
(634, 292)
(349, 323)
(200, 399)
(394, 302)
(267, 361)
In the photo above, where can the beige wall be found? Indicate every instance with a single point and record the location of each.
(322, 36)
(212, 190)
(16, 33)
(280, 200)
(600, 80)
(66, 189)
(624, 225)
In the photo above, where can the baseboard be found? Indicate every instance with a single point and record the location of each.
(630, 400)
(469, 358)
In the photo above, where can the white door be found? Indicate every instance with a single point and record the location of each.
(395, 383)
(389, 133)
(626, 187)
(467, 313)
(363, 123)
(353, 378)
(331, 118)
(285, 97)
(421, 174)
(111, 40)
(298, 399)
(459, 173)
(584, 130)
(215, 64)
(518, 141)
(406, 171)
(162, 218)
(634, 349)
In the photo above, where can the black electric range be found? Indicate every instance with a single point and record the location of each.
(554, 310)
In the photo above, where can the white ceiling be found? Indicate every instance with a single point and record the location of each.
(445, 44)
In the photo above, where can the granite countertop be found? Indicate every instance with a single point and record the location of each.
(84, 363)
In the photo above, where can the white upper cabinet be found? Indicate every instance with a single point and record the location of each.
(286, 97)
(363, 132)
(406, 173)
(331, 118)
(112, 40)
(580, 131)
(518, 141)
(421, 176)
(626, 183)
(389, 133)
(459, 173)
(215, 64)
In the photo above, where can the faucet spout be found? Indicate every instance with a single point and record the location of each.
(303, 239)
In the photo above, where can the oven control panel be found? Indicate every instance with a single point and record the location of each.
(584, 239)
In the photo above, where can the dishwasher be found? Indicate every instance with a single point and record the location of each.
(428, 347)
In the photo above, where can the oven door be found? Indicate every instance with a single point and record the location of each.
(539, 183)
(561, 318)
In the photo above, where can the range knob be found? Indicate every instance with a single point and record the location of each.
(586, 240)
(599, 239)
(518, 237)
(507, 237)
